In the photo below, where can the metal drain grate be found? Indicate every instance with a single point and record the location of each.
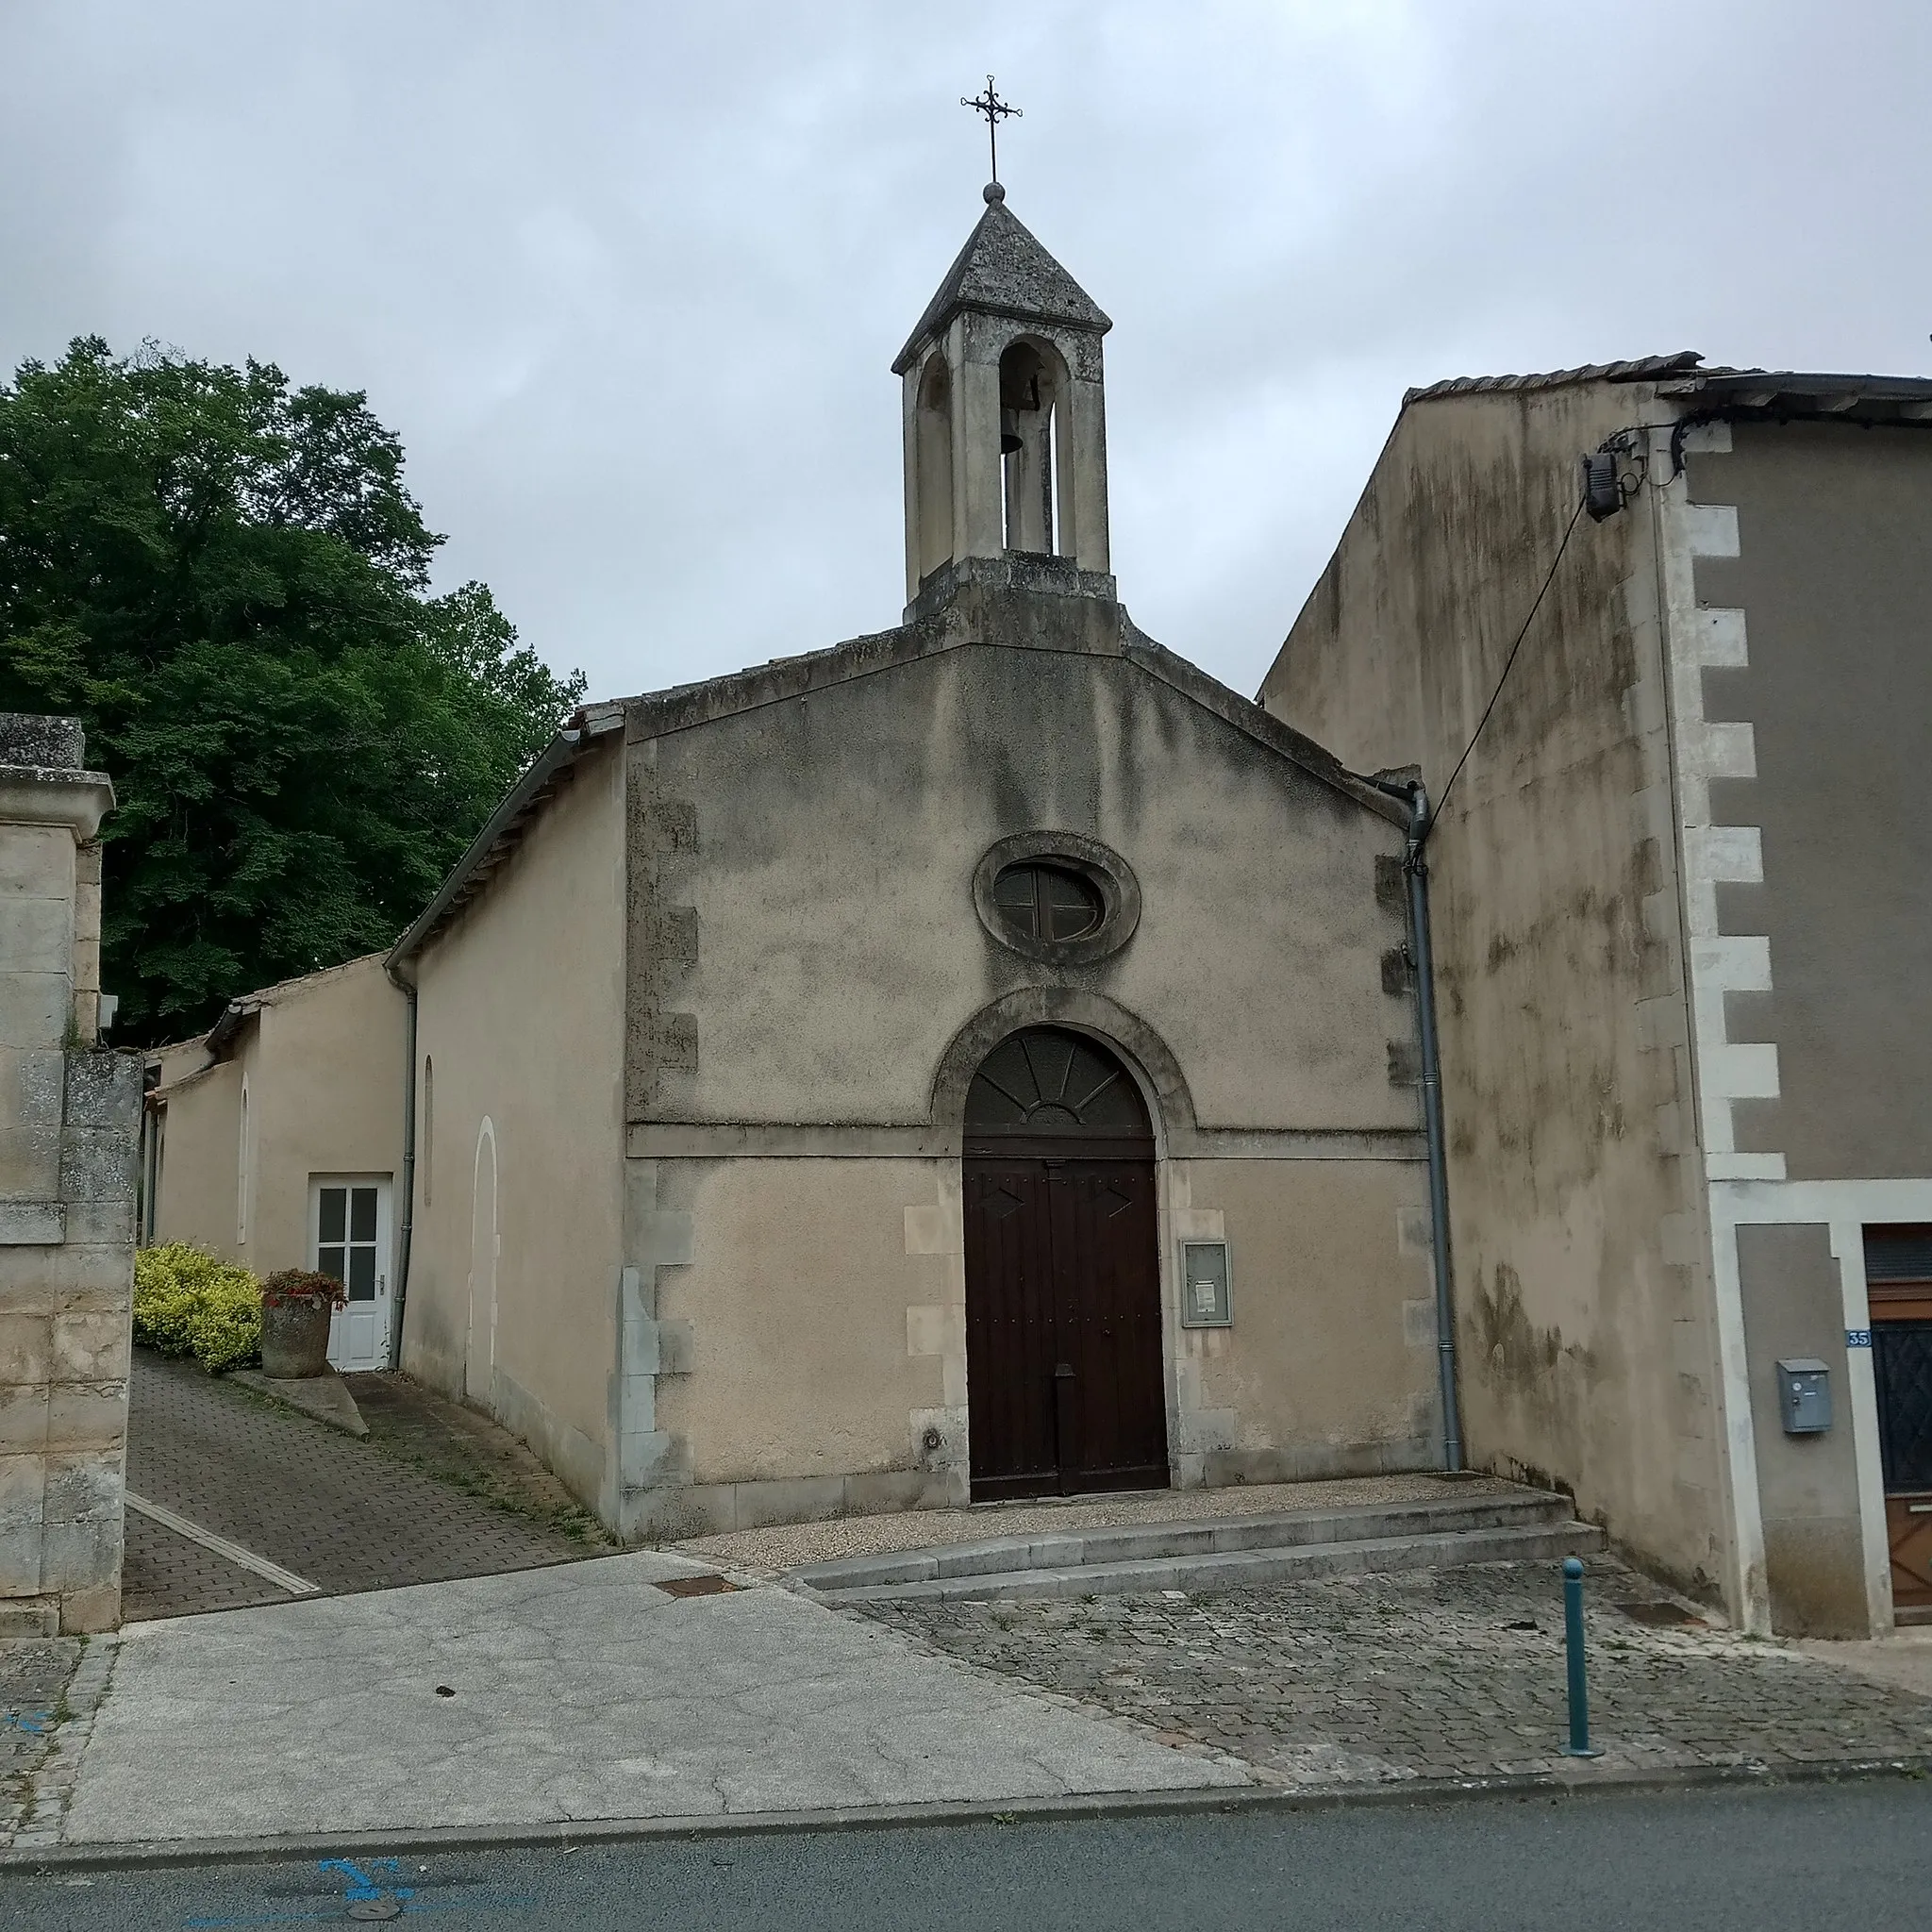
(707, 1584)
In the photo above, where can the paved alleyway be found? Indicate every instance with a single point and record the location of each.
(342, 1514)
(1446, 1674)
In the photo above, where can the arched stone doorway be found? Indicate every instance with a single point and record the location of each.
(1064, 1384)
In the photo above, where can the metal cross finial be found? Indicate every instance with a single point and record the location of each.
(996, 111)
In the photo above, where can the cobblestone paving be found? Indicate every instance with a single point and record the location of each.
(1439, 1675)
(341, 1512)
(33, 1680)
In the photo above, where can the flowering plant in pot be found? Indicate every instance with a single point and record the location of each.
(296, 1304)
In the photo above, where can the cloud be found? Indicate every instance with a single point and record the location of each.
(627, 279)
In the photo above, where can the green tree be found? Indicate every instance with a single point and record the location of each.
(225, 579)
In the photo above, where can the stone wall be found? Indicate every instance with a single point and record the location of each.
(69, 1127)
(1587, 1350)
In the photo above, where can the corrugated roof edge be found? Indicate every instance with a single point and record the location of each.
(1641, 369)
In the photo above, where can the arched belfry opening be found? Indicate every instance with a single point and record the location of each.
(1065, 1384)
(931, 499)
(1029, 389)
(1005, 420)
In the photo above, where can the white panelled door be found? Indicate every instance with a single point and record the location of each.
(349, 1238)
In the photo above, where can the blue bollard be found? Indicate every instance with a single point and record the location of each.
(1578, 1745)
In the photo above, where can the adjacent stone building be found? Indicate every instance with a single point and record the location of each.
(1683, 915)
(69, 1117)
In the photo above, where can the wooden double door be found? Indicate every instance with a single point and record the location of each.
(1065, 1386)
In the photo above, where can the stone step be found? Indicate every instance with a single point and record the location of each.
(29, 1617)
(1197, 1535)
(1244, 1568)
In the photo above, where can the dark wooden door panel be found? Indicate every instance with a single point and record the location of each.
(1009, 1329)
(1064, 1384)
(1107, 1300)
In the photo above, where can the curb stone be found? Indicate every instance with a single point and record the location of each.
(1416, 1793)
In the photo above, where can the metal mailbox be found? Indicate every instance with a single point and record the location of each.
(1804, 1396)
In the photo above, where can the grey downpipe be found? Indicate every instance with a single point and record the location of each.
(395, 1341)
(1415, 870)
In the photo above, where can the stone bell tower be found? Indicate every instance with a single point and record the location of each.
(1005, 425)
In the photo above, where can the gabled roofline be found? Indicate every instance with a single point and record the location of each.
(686, 707)
(1781, 394)
(1640, 369)
(245, 1007)
(502, 831)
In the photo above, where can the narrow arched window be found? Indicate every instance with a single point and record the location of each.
(241, 1171)
(427, 1158)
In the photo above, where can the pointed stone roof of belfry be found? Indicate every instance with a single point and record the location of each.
(1004, 271)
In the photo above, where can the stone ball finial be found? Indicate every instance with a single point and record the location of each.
(993, 192)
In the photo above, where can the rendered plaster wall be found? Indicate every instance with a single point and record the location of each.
(1329, 1368)
(1807, 1484)
(825, 1299)
(1797, 579)
(200, 1161)
(521, 1155)
(813, 988)
(806, 936)
(1584, 1324)
(323, 1061)
(1832, 577)
(326, 1098)
(69, 1124)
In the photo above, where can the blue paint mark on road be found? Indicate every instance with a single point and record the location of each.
(360, 1885)
(365, 1883)
(38, 1722)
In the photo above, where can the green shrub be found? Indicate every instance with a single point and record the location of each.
(188, 1302)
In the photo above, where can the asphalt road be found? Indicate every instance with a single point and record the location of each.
(1791, 1860)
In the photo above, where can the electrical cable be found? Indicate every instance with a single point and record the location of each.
(1549, 577)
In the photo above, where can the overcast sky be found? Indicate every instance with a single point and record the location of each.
(627, 279)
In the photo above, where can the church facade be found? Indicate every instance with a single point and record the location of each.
(975, 1061)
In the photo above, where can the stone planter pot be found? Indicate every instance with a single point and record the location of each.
(294, 1336)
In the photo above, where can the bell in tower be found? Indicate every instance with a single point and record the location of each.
(1006, 424)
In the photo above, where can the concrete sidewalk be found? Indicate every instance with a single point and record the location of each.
(590, 1693)
(578, 1692)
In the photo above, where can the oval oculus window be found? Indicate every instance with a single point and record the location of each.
(1047, 901)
